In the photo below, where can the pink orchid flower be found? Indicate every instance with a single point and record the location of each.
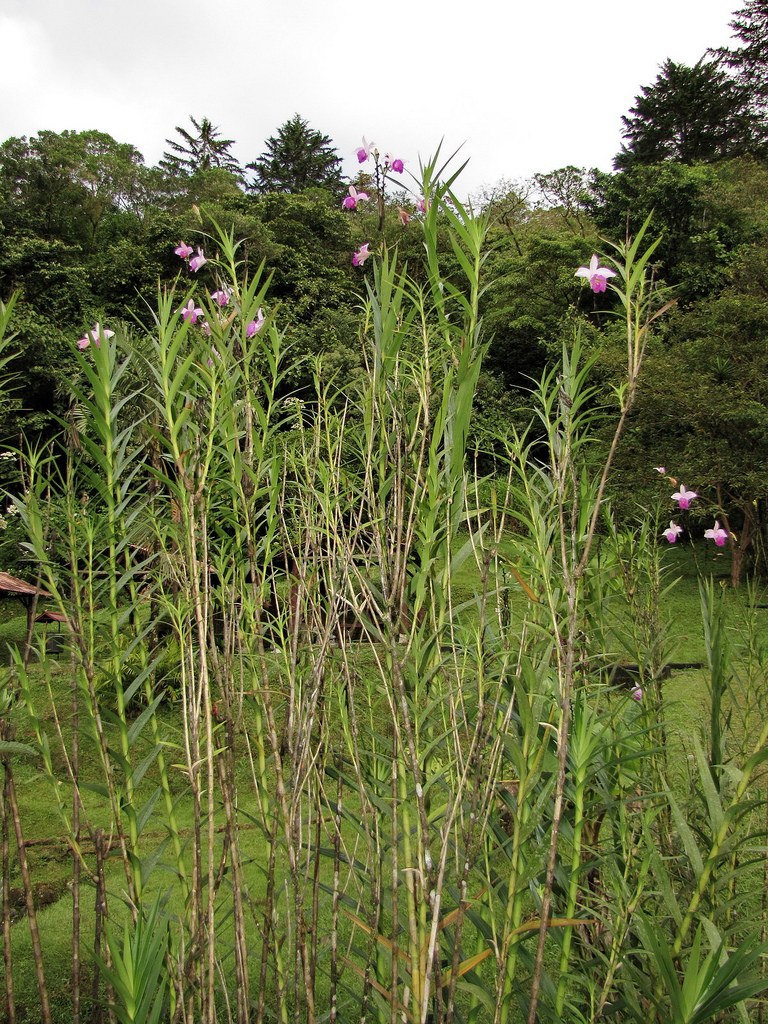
(221, 296)
(403, 216)
(184, 250)
(660, 469)
(354, 197)
(683, 497)
(364, 151)
(422, 205)
(718, 535)
(190, 311)
(359, 258)
(397, 166)
(637, 692)
(197, 261)
(255, 325)
(95, 335)
(595, 274)
(673, 531)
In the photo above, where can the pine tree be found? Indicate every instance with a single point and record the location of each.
(200, 152)
(693, 115)
(298, 158)
(749, 62)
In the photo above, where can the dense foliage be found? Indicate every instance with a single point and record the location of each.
(88, 230)
(296, 159)
(348, 502)
(334, 728)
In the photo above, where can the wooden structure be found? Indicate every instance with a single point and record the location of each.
(13, 585)
(28, 593)
(54, 643)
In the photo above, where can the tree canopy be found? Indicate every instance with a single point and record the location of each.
(690, 115)
(87, 230)
(749, 62)
(298, 158)
(202, 151)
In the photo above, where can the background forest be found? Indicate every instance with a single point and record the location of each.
(88, 231)
(359, 677)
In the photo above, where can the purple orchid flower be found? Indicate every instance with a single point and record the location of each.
(660, 469)
(190, 312)
(673, 531)
(359, 258)
(397, 166)
(221, 296)
(184, 250)
(364, 151)
(95, 335)
(596, 275)
(354, 197)
(683, 497)
(637, 692)
(255, 325)
(403, 216)
(197, 261)
(718, 535)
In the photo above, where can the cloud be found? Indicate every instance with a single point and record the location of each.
(525, 92)
(24, 54)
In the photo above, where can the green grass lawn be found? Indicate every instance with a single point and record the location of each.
(686, 699)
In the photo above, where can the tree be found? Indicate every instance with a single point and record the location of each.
(567, 190)
(533, 294)
(39, 191)
(41, 370)
(66, 185)
(65, 201)
(704, 214)
(702, 404)
(298, 158)
(691, 115)
(750, 61)
(202, 151)
(702, 411)
(508, 204)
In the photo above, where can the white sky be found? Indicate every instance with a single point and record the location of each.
(526, 86)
